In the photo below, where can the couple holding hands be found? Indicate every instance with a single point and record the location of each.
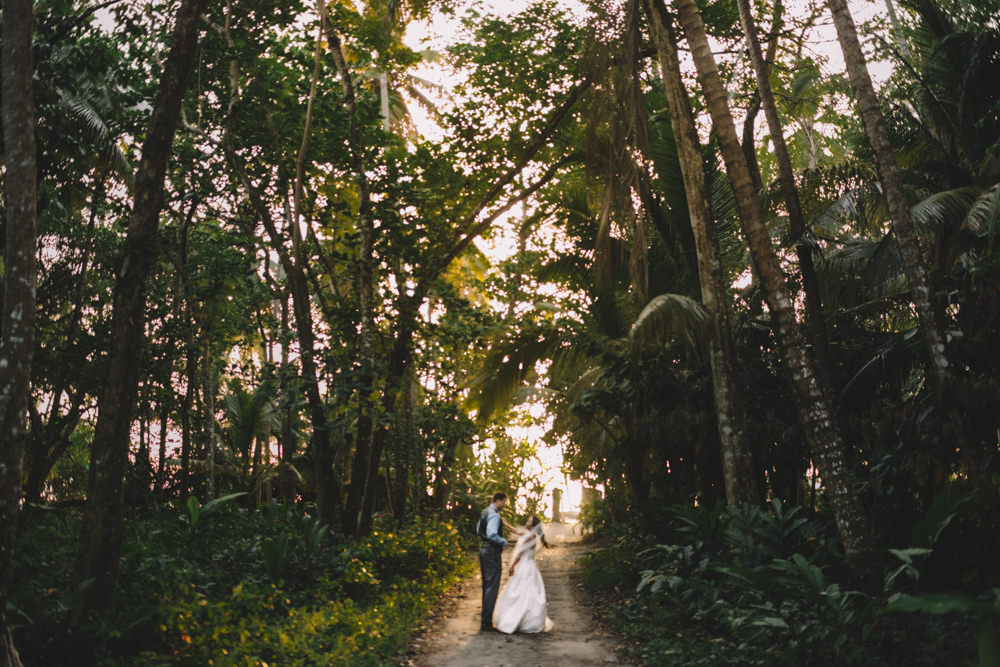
(521, 607)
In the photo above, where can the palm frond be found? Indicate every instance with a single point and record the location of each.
(569, 270)
(983, 217)
(892, 362)
(734, 254)
(944, 212)
(861, 270)
(669, 317)
(507, 367)
(96, 131)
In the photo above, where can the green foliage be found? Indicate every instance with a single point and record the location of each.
(196, 512)
(988, 613)
(245, 587)
(754, 587)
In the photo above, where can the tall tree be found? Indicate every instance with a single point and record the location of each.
(17, 333)
(362, 483)
(100, 541)
(939, 366)
(815, 319)
(828, 448)
(736, 457)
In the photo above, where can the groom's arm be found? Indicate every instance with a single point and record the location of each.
(493, 531)
(517, 530)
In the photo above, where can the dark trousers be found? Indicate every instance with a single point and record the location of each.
(491, 565)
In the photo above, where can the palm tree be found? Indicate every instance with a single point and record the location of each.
(251, 420)
(939, 367)
(815, 319)
(828, 449)
(736, 459)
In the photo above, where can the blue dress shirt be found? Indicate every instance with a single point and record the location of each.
(493, 527)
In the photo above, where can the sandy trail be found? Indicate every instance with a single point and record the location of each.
(453, 639)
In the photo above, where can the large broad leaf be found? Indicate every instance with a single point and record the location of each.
(940, 603)
(212, 504)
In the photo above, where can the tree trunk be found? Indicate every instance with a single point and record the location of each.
(362, 483)
(815, 318)
(100, 541)
(939, 368)
(737, 462)
(187, 406)
(286, 438)
(749, 147)
(142, 467)
(47, 443)
(161, 463)
(208, 393)
(405, 454)
(897, 29)
(184, 302)
(396, 374)
(17, 331)
(328, 489)
(828, 448)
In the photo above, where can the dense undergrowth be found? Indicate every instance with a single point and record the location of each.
(224, 585)
(752, 586)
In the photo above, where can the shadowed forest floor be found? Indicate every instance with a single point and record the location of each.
(452, 637)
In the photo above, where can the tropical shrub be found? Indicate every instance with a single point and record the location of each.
(244, 587)
(751, 586)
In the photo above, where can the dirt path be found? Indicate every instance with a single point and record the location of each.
(453, 639)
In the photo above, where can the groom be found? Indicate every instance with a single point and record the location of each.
(488, 529)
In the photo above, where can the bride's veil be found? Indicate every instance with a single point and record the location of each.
(525, 542)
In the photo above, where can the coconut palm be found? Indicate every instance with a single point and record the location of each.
(939, 366)
(828, 448)
(729, 412)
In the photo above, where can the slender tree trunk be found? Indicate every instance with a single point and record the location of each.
(100, 541)
(187, 407)
(749, 123)
(815, 318)
(897, 29)
(828, 448)
(183, 305)
(405, 455)
(48, 443)
(142, 460)
(208, 392)
(749, 146)
(365, 460)
(161, 463)
(396, 373)
(328, 490)
(737, 461)
(939, 367)
(328, 500)
(17, 330)
(286, 437)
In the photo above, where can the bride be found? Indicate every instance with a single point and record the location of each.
(521, 607)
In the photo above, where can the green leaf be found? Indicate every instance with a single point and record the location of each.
(211, 504)
(939, 603)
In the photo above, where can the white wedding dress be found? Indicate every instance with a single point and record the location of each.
(521, 606)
